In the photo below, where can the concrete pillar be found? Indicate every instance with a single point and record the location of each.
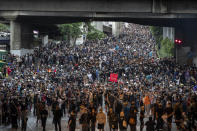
(45, 40)
(21, 40)
(116, 28)
(169, 32)
(15, 36)
(98, 25)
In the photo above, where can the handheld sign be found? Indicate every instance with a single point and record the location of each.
(113, 77)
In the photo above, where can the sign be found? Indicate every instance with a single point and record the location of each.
(113, 77)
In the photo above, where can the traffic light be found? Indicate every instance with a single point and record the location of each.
(178, 42)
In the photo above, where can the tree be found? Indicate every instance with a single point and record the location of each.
(95, 34)
(4, 28)
(167, 49)
(157, 33)
(71, 32)
(89, 26)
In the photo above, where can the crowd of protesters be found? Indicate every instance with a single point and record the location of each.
(60, 80)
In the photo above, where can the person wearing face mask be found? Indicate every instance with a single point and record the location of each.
(14, 115)
(147, 104)
(72, 121)
(155, 107)
(44, 114)
(114, 121)
(169, 111)
(84, 120)
(159, 114)
(178, 115)
(150, 124)
(24, 117)
(93, 114)
(133, 120)
(142, 114)
(57, 117)
(101, 119)
(122, 122)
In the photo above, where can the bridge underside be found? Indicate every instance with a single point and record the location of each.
(156, 19)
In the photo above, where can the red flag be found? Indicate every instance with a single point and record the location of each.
(113, 77)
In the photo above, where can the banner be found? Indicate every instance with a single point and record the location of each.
(113, 77)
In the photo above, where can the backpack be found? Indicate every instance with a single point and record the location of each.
(83, 119)
(124, 123)
(132, 121)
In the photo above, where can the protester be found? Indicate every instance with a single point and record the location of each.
(72, 122)
(122, 122)
(24, 117)
(44, 115)
(101, 119)
(142, 112)
(150, 125)
(93, 115)
(85, 120)
(59, 78)
(57, 118)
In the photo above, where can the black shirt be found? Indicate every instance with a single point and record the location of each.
(73, 121)
(169, 111)
(150, 125)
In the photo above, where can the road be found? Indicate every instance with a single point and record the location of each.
(32, 126)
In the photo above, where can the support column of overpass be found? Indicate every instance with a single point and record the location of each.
(168, 32)
(21, 40)
(116, 28)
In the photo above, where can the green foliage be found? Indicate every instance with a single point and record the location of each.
(95, 35)
(70, 31)
(4, 28)
(164, 47)
(167, 48)
(157, 33)
(89, 26)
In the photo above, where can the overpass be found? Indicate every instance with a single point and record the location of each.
(24, 14)
(163, 12)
